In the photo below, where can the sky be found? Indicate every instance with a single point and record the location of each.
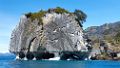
(98, 12)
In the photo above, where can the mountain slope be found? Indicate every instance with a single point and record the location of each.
(108, 33)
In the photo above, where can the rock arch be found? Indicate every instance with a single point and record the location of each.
(29, 54)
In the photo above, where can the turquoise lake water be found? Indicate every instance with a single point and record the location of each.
(58, 64)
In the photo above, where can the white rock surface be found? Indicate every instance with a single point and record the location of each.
(59, 32)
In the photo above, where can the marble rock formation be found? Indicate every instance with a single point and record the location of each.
(58, 33)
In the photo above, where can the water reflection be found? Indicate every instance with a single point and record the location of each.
(46, 64)
(62, 64)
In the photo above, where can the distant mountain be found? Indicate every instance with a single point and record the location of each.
(109, 33)
(7, 56)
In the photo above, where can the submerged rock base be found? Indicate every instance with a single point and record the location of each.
(66, 55)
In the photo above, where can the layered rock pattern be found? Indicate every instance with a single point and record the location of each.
(58, 33)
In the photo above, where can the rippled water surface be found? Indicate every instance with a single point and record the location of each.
(58, 64)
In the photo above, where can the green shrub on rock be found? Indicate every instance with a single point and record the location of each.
(60, 10)
(81, 16)
(36, 15)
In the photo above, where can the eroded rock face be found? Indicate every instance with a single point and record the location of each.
(59, 32)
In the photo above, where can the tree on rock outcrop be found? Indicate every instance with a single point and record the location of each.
(81, 16)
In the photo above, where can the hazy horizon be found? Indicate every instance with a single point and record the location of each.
(98, 13)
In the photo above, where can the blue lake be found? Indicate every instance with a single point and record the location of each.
(58, 64)
(7, 61)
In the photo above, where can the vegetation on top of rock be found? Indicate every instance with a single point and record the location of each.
(36, 15)
(81, 16)
(59, 10)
